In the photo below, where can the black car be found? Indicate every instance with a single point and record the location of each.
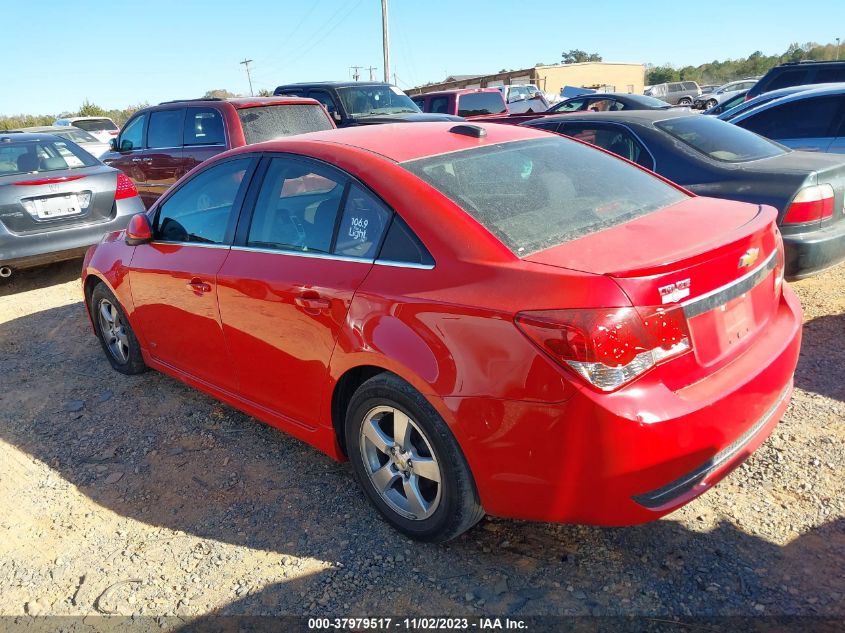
(608, 102)
(714, 158)
(362, 102)
(798, 74)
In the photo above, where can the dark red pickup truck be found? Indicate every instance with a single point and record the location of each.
(483, 104)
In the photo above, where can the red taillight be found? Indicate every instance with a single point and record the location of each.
(810, 205)
(608, 347)
(48, 181)
(125, 188)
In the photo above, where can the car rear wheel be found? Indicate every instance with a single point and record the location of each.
(408, 463)
(116, 335)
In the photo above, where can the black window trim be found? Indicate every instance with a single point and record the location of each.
(237, 205)
(624, 127)
(247, 209)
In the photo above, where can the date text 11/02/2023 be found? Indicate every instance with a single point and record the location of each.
(418, 624)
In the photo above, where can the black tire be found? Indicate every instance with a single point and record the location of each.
(134, 361)
(712, 103)
(685, 101)
(458, 507)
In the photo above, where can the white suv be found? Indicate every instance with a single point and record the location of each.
(101, 127)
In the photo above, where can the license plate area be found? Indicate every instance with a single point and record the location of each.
(53, 207)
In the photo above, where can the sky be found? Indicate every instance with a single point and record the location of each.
(57, 54)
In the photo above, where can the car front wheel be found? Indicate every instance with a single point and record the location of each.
(116, 335)
(685, 101)
(712, 103)
(408, 463)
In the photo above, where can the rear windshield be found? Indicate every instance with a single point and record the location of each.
(649, 101)
(477, 103)
(539, 193)
(95, 125)
(43, 155)
(274, 121)
(720, 140)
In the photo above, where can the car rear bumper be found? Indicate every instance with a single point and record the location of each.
(810, 253)
(36, 249)
(631, 456)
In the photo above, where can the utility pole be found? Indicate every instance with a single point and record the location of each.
(385, 41)
(395, 80)
(371, 69)
(355, 74)
(246, 64)
(837, 49)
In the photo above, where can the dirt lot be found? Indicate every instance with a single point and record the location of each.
(138, 495)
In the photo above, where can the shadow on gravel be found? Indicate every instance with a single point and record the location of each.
(820, 365)
(41, 277)
(151, 449)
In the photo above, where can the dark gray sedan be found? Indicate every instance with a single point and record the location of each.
(713, 158)
(56, 200)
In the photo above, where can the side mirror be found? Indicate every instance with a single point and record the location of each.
(113, 144)
(126, 146)
(139, 231)
(336, 116)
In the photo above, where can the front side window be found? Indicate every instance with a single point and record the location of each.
(203, 126)
(201, 210)
(536, 194)
(132, 136)
(719, 140)
(325, 98)
(805, 118)
(787, 79)
(266, 123)
(165, 129)
(477, 103)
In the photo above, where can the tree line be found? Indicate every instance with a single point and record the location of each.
(719, 72)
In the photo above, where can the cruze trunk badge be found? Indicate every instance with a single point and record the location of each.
(749, 257)
(674, 292)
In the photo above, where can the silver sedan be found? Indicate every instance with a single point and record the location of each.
(56, 200)
(85, 140)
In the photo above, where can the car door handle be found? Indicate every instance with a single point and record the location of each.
(199, 286)
(312, 303)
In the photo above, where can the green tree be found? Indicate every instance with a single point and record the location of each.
(265, 93)
(91, 109)
(577, 56)
(219, 93)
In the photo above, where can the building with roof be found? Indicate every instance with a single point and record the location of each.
(601, 76)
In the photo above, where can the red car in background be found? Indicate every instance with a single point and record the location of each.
(162, 143)
(481, 318)
(485, 105)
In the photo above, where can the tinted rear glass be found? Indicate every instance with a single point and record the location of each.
(95, 125)
(476, 103)
(719, 140)
(274, 121)
(539, 193)
(43, 155)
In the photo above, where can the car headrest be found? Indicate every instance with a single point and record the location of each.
(27, 162)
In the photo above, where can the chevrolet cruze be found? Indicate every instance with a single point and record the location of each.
(482, 319)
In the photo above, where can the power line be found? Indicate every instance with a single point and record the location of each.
(355, 74)
(246, 63)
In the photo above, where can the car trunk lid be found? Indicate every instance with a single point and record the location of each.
(43, 201)
(715, 259)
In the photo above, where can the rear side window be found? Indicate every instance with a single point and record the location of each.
(569, 106)
(275, 121)
(362, 224)
(440, 105)
(201, 210)
(613, 138)
(719, 140)
(787, 78)
(539, 193)
(95, 125)
(165, 129)
(203, 126)
(826, 75)
(401, 245)
(805, 118)
(477, 103)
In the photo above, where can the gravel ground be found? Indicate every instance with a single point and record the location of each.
(138, 495)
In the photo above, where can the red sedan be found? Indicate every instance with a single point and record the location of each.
(480, 318)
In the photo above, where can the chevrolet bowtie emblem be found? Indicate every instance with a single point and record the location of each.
(749, 257)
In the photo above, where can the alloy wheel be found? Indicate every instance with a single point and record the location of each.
(113, 331)
(400, 463)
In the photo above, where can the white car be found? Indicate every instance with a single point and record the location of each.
(101, 127)
(85, 140)
(522, 99)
